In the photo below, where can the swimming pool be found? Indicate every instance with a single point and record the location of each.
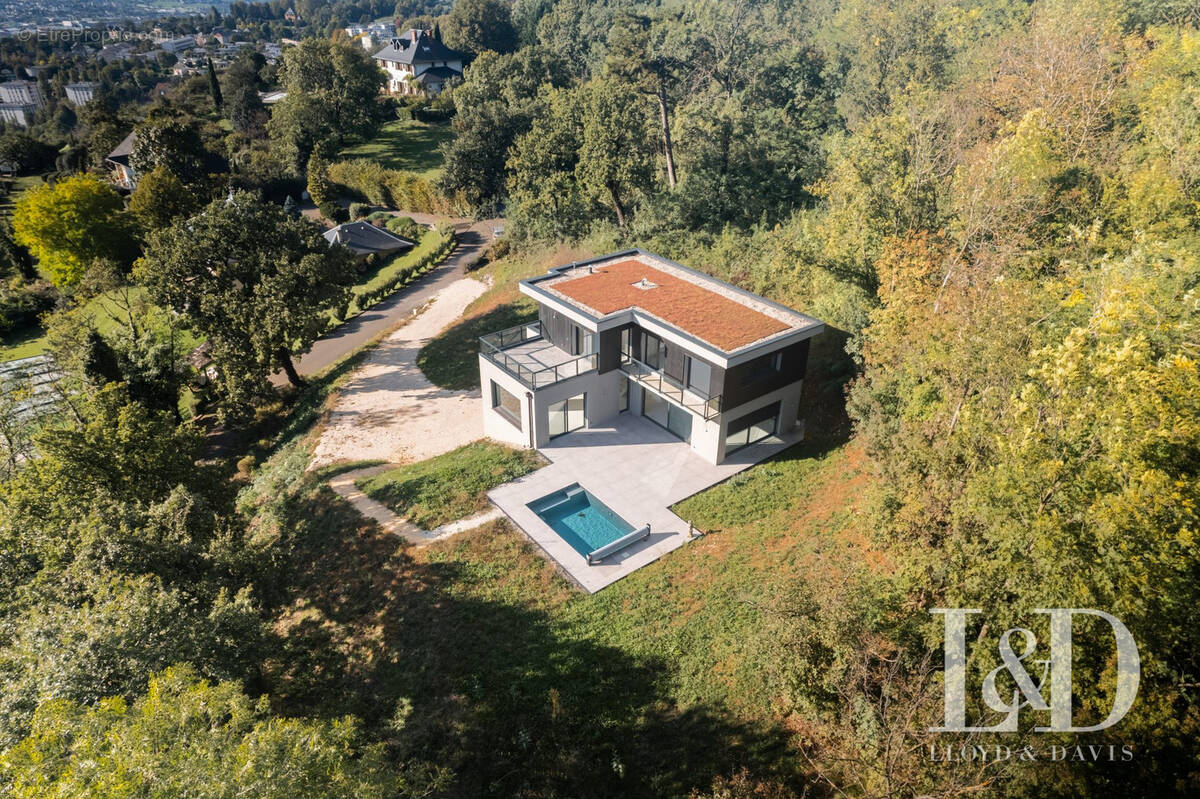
(587, 524)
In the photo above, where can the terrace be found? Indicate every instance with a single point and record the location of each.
(523, 353)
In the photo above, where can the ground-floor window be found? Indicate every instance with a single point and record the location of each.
(567, 415)
(668, 415)
(752, 428)
(506, 404)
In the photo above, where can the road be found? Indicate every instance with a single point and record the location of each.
(473, 239)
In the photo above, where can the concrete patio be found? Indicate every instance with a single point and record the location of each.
(638, 470)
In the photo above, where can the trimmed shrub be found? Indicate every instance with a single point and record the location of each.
(334, 212)
(404, 227)
(359, 210)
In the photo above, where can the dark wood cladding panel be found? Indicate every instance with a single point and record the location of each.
(609, 350)
(556, 328)
(739, 387)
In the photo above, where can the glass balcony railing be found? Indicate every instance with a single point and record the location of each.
(504, 348)
(657, 381)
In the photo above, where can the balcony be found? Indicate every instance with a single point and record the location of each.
(699, 402)
(533, 360)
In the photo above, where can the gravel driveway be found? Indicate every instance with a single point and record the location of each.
(389, 411)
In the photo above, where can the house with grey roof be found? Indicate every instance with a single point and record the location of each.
(363, 239)
(123, 175)
(418, 63)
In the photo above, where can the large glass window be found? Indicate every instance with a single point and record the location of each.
(583, 341)
(752, 428)
(506, 404)
(626, 345)
(762, 367)
(699, 375)
(567, 415)
(654, 351)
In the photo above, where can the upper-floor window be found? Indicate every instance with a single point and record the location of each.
(654, 351)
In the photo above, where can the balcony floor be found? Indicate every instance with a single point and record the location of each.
(538, 354)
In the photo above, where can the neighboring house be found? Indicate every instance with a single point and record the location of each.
(80, 93)
(290, 15)
(418, 63)
(271, 98)
(363, 239)
(718, 367)
(21, 92)
(123, 175)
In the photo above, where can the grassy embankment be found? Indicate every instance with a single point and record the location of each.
(449, 487)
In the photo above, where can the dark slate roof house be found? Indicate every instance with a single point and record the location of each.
(420, 56)
(363, 238)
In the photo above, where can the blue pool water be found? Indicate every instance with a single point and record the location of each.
(580, 519)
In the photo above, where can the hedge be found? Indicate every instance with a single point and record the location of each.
(368, 298)
(393, 188)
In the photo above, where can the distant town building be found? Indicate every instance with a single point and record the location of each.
(81, 93)
(290, 15)
(21, 92)
(418, 63)
(19, 115)
(270, 98)
(115, 52)
(180, 45)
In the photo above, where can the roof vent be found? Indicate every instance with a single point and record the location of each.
(644, 284)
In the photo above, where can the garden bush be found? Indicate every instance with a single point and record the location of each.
(372, 183)
(359, 210)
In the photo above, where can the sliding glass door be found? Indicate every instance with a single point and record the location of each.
(567, 415)
(668, 415)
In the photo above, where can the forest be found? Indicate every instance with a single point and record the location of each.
(994, 205)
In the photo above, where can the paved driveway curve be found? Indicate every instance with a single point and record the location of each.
(473, 239)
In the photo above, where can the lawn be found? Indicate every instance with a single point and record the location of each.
(451, 486)
(407, 145)
(107, 311)
(16, 187)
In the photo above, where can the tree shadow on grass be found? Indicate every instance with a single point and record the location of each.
(513, 700)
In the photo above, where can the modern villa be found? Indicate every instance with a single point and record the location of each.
(642, 382)
(718, 367)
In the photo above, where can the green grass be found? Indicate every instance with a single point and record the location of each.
(107, 313)
(16, 187)
(405, 144)
(451, 486)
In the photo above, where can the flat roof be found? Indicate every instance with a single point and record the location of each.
(703, 307)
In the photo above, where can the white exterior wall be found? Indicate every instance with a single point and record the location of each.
(494, 425)
(21, 92)
(603, 399)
